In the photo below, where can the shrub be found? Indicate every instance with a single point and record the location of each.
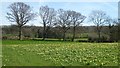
(4, 37)
(96, 39)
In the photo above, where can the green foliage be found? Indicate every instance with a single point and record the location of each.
(56, 53)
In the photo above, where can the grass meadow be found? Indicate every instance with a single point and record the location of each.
(58, 53)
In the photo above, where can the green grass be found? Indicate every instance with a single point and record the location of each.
(58, 53)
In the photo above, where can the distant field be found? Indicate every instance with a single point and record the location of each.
(58, 53)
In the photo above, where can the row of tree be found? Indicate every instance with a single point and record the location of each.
(62, 18)
(21, 14)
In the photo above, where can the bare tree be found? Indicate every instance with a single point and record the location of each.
(98, 17)
(21, 14)
(63, 20)
(48, 16)
(111, 23)
(76, 19)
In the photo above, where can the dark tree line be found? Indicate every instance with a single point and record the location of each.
(34, 32)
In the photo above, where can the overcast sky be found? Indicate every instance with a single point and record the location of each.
(83, 6)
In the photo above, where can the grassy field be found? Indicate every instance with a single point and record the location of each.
(58, 53)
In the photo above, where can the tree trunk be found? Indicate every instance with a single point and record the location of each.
(44, 31)
(20, 32)
(64, 36)
(110, 33)
(99, 36)
(73, 34)
(47, 31)
(98, 31)
(38, 33)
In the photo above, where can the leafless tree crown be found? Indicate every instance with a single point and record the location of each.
(20, 13)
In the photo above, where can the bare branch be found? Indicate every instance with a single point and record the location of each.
(20, 13)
